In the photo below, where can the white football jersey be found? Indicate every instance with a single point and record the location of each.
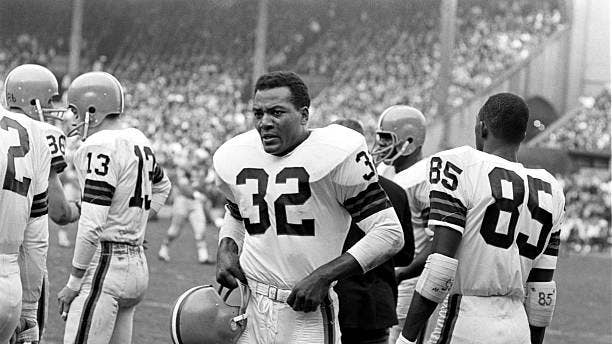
(57, 145)
(24, 173)
(415, 181)
(117, 174)
(297, 208)
(505, 212)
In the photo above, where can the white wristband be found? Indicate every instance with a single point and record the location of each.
(402, 340)
(74, 283)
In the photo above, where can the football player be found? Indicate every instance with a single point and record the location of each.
(291, 194)
(30, 90)
(496, 230)
(399, 146)
(122, 185)
(25, 161)
(189, 204)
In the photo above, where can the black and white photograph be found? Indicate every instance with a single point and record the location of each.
(305, 172)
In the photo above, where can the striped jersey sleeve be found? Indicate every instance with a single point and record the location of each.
(99, 167)
(357, 188)
(57, 147)
(548, 258)
(447, 196)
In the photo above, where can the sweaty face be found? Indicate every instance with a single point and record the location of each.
(280, 125)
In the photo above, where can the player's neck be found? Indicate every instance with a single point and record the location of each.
(107, 124)
(404, 162)
(502, 150)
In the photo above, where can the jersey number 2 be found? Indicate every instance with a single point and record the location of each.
(10, 182)
(491, 217)
(283, 227)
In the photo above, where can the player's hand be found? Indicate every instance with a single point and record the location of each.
(228, 265)
(308, 293)
(27, 332)
(64, 299)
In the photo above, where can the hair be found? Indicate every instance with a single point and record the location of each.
(351, 124)
(506, 116)
(299, 91)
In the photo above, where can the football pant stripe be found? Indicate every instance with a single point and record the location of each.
(58, 164)
(450, 320)
(39, 205)
(441, 197)
(327, 313)
(94, 294)
(455, 219)
(552, 249)
(233, 209)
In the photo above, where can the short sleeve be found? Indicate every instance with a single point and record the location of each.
(356, 185)
(447, 196)
(42, 165)
(56, 140)
(100, 167)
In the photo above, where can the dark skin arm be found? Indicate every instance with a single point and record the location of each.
(539, 275)
(308, 293)
(445, 241)
(228, 264)
(415, 268)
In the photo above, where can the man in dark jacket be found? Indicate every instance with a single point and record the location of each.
(368, 301)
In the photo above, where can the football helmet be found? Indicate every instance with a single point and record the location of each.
(401, 130)
(201, 316)
(92, 97)
(31, 89)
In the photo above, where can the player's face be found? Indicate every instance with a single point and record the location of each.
(280, 125)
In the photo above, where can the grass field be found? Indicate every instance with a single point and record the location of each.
(584, 305)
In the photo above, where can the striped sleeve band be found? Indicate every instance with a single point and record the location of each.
(233, 209)
(553, 244)
(39, 205)
(58, 164)
(158, 174)
(446, 210)
(368, 202)
(98, 192)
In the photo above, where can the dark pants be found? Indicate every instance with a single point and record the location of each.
(359, 336)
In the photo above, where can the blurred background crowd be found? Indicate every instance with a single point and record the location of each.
(188, 86)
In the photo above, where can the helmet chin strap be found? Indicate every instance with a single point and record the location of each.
(85, 126)
(39, 110)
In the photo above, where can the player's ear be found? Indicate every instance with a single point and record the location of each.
(484, 131)
(304, 115)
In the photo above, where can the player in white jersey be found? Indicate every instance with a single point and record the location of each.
(189, 204)
(496, 226)
(24, 172)
(399, 142)
(30, 90)
(291, 194)
(121, 185)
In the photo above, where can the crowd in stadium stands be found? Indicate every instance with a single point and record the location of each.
(587, 222)
(187, 80)
(586, 130)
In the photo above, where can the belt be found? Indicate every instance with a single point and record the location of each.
(272, 292)
(121, 247)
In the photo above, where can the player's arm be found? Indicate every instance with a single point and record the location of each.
(356, 186)
(160, 188)
(98, 190)
(415, 268)
(447, 218)
(61, 211)
(231, 239)
(541, 289)
(33, 251)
